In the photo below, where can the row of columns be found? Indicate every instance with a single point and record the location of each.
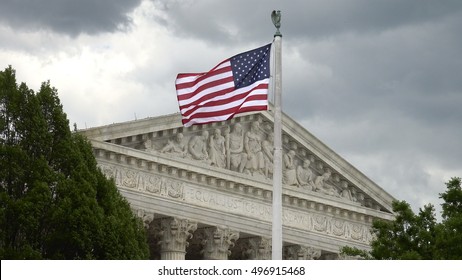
(174, 235)
(216, 242)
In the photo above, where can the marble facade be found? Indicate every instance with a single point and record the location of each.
(206, 191)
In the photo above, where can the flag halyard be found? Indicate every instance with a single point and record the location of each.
(236, 85)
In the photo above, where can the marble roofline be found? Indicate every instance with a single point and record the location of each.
(222, 178)
(139, 130)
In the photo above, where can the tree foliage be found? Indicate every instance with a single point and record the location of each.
(419, 236)
(449, 238)
(54, 201)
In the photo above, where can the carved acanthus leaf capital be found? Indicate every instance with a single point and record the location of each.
(218, 241)
(259, 248)
(175, 232)
(299, 252)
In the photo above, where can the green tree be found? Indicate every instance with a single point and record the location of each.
(54, 201)
(409, 236)
(449, 238)
(419, 236)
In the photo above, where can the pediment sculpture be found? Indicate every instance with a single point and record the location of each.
(247, 148)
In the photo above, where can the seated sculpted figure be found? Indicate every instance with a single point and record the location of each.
(176, 146)
(148, 145)
(322, 186)
(347, 191)
(197, 146)
(305, 176)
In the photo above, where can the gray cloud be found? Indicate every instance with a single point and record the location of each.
(241, 20)
(68, 16)
(377, 81)
(324, 19)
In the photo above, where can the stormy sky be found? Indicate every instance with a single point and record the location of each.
(378, 81)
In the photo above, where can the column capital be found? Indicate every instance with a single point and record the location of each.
(258, 248)
(174, 234)
(300, 252)
(218, 241)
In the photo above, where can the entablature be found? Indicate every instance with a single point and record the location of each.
(226, 181)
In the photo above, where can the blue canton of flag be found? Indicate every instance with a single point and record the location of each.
(251, 66)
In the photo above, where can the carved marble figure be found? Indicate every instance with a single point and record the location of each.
(268, 153)
(217, 149)
(252, 146)
(197, 146)
(344, 191)
(226, 132)
(176, 146)
(305, 176)
(322, 186)
(289, 176)
(148, 145)
(238, 158)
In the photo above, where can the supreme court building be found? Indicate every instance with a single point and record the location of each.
(205, 191)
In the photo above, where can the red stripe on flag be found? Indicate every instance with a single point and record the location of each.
(200, 77)
(204, 87)
(225, 109)
(210, 102)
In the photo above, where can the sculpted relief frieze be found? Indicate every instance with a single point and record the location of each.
(247, 148)
(143, 181)
(191, 194)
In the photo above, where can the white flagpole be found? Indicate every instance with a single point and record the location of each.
(277, 159)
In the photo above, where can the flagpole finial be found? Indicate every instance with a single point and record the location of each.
(276, 18)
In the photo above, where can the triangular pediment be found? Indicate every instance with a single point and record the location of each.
(241, 149)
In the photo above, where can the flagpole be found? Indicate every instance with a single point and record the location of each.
(277, 159)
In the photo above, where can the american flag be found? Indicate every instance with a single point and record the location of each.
(236, 85)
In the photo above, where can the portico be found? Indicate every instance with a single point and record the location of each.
(201, 210)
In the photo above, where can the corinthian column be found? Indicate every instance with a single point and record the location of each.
(298, 252)
(174, 235)
(217, 242)
(258, 248)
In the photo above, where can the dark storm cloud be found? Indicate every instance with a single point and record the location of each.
(215, 20)
(329, 18)
(70, 17)
(400, 71)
